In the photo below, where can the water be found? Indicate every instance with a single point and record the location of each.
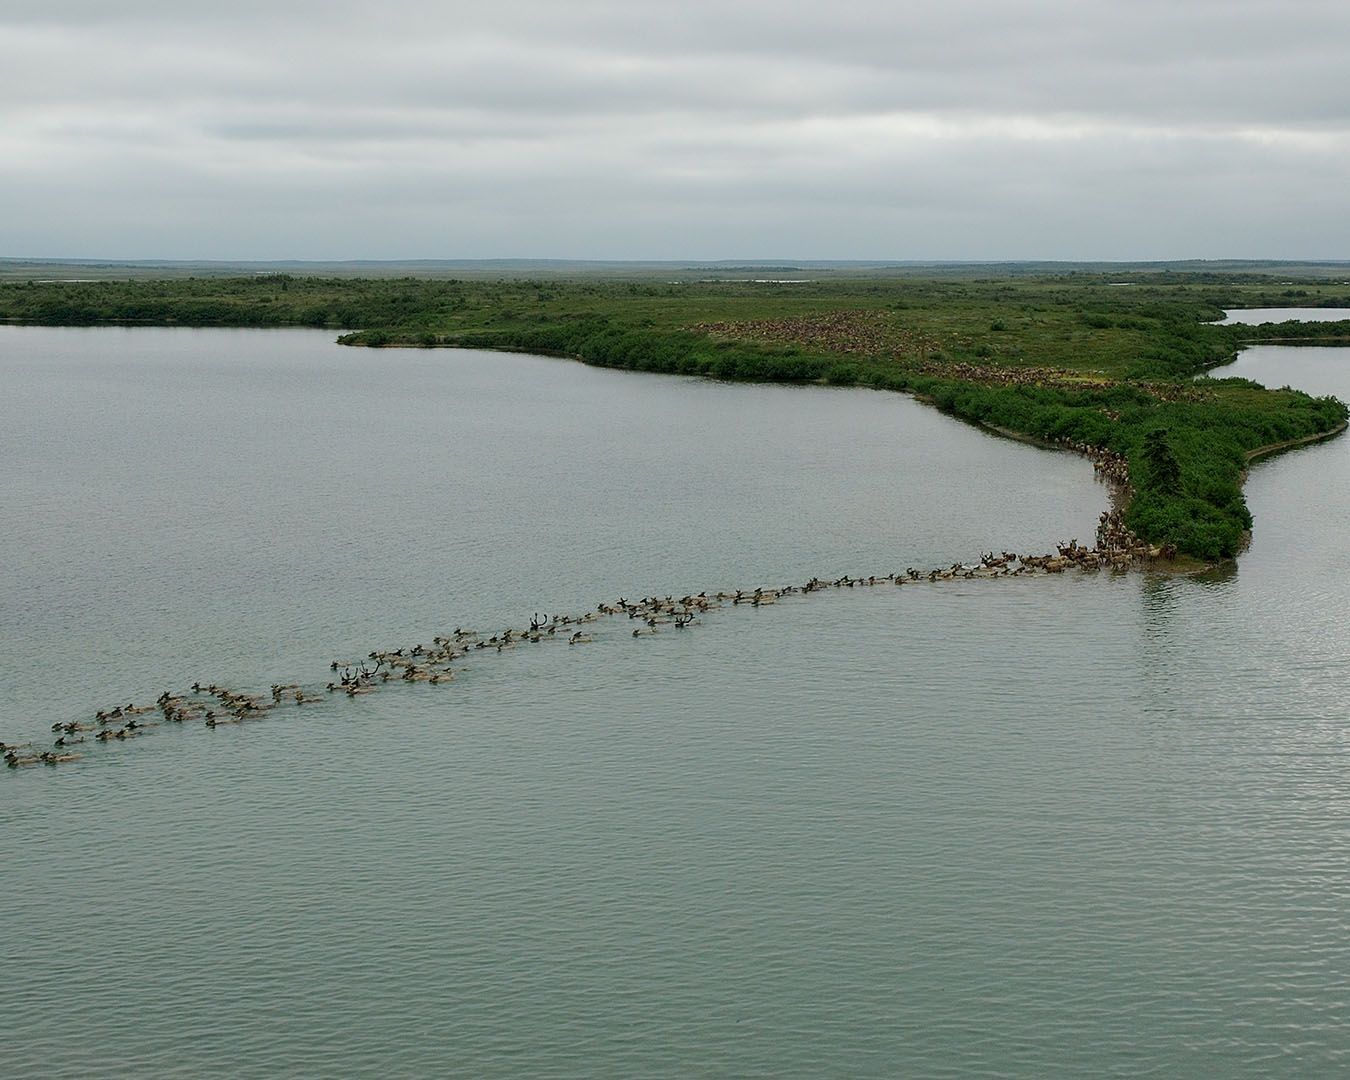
(1069, 826)
(245, 505)
(1256, 316)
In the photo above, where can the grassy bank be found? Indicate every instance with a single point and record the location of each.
(1075, 357)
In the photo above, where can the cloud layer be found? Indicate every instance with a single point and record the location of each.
(740, 129)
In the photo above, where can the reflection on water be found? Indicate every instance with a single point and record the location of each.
(1083, 825)
(1160, 595)
(1218, 576)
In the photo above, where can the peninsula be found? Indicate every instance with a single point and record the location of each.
(1107, 360)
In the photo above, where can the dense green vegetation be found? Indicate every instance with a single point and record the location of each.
(1077, 357)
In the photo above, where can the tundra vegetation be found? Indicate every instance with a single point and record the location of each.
(1107, 360)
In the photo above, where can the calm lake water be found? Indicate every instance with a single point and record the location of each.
(1073, 826)
(1256, 316)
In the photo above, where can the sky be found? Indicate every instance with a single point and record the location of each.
(686, 130)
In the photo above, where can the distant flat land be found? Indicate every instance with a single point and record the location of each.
(115, 269)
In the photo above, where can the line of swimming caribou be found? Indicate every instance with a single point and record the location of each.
(215, 706)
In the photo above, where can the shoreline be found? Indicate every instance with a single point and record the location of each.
(1290, 444)
(1111, 466)
(1119, 493)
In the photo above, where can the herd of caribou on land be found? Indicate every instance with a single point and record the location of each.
(877, 335)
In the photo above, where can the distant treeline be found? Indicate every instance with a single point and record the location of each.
(1310, 332)
(265, 300)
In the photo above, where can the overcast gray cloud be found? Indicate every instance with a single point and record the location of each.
(692, 130)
